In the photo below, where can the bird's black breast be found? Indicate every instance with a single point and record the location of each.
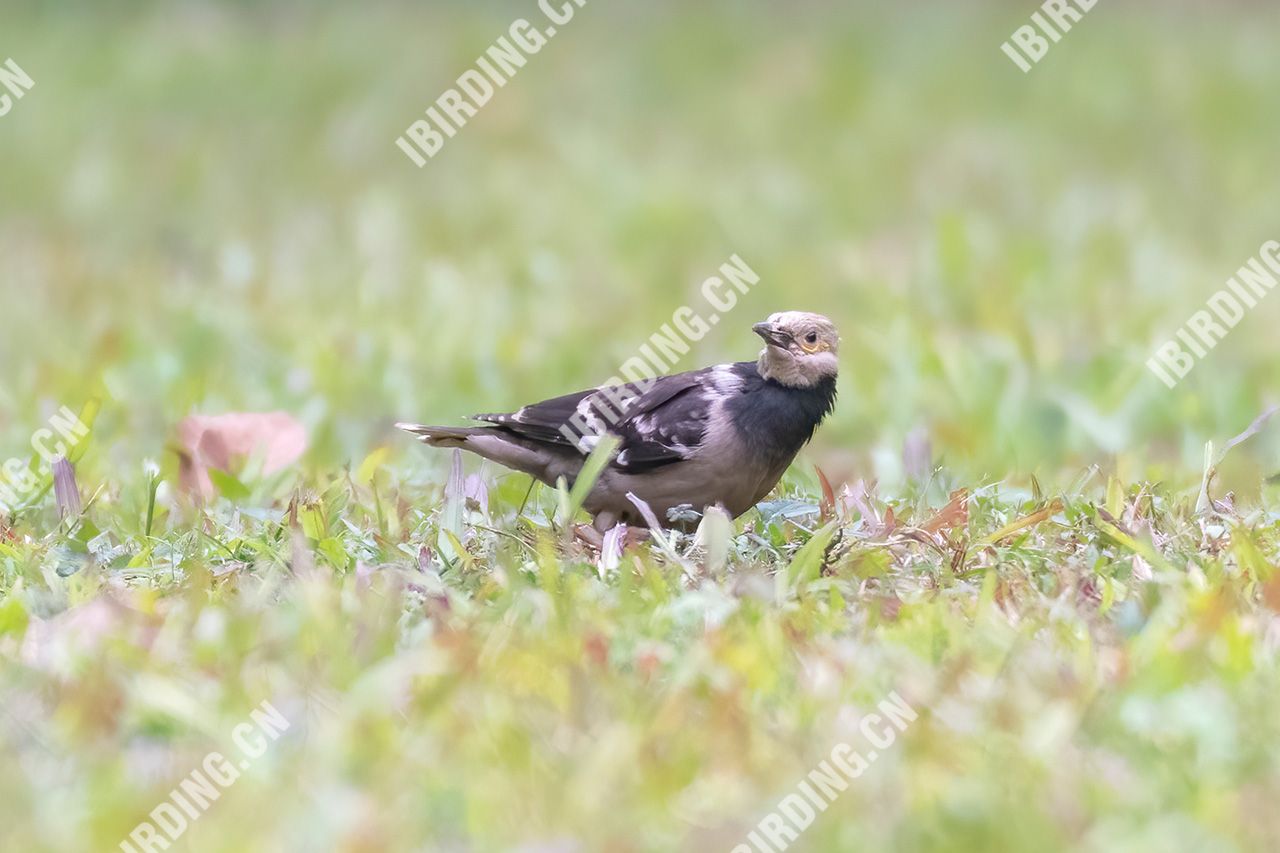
(773, 420)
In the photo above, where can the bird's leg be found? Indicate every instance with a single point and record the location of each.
(593, 534)
(631, 535)
(588, 534)
(635, 536)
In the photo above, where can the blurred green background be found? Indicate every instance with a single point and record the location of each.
(202, 210)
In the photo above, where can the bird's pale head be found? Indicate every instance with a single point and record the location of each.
(799, 348)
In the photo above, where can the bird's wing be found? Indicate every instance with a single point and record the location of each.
(665, 424)
(663, 421)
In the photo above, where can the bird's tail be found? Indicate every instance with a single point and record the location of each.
(440, 436)
(499, 445)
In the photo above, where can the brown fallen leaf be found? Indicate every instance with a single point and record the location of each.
(954, 514)
(1271, 593)
(828, 505)
(224, 442)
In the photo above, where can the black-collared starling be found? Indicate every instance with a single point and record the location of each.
(722, 435)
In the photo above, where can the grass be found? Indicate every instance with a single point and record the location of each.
(204, 211)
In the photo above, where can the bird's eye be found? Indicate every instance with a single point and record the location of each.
(812, 337)
(809, 343)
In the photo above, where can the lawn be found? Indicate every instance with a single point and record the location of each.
(1064, 568)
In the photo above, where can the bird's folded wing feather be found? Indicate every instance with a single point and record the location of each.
(659, 424)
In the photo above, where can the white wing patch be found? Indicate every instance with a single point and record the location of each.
(725, 380)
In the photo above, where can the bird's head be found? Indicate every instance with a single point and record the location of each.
(799, 348)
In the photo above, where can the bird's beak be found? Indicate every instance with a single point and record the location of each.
(772, 334)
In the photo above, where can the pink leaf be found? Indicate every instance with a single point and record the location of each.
(225, 441)
(65, 490)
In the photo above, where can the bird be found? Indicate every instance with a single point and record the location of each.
(721, 436)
